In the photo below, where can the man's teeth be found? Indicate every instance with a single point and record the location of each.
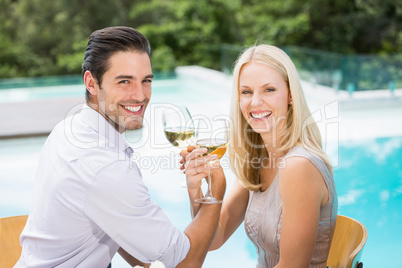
(260, 115)
(132, 108)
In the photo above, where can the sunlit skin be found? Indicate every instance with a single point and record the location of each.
(125, 90)
(264, 98)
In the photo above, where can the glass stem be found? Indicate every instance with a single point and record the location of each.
(209, 192)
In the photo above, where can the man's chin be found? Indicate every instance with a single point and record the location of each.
(133, 126)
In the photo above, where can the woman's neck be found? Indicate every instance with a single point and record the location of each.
(274, 154)
(272, 145)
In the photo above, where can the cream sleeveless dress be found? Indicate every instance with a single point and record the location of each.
(264, 215)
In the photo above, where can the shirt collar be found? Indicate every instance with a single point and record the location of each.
(108, 135)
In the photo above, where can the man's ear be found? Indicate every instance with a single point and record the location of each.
(90, 83)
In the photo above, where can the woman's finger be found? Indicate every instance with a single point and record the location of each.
(194, 177)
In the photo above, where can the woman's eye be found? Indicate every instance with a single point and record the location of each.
(245, 92)
(269, 89)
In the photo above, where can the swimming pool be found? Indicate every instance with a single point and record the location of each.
(369, 185)
(368, 179)
(65, 91)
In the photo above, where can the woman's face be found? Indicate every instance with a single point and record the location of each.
(264, 98)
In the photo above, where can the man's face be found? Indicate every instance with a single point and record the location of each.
(125, 91)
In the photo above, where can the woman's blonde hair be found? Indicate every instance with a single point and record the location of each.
(247, 148)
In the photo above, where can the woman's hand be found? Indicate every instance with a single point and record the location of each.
(196, 166)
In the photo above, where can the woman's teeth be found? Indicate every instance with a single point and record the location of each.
(260, 115)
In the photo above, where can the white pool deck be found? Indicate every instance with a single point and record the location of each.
(362, 115)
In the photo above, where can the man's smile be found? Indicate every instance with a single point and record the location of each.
(133, 108)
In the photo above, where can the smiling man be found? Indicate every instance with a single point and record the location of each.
(89, 202)
(125, 90)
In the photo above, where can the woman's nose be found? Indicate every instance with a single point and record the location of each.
(256, 99)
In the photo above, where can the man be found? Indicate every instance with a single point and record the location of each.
(89, 198)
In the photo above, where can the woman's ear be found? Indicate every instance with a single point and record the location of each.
(90, 83)
(290, 102)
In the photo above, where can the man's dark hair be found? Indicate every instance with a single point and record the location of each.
(104, 43)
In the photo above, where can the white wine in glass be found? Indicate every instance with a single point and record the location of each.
(214, 146)
(215, 138)
(179, 136)
(178, 126)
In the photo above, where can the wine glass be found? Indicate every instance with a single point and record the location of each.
(213, 134)
(178, 126)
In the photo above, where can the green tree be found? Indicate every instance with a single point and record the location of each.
(41, 37)
(360, 26)
(186, 32)
(52, 35)
(275, 22)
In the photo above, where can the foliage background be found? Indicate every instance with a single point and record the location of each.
(42, 38)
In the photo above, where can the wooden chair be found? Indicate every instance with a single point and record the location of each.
(346, 249)
(10, 231)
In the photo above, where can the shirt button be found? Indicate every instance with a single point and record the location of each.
(129, 151)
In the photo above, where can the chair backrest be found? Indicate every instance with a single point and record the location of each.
(348, 241)
(10, 231)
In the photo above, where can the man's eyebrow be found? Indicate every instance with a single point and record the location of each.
(131, 77)
(124, 77)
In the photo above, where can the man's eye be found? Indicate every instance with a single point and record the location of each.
(148, 81)
(124, 82)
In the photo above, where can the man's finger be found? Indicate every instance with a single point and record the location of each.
(196, 153)
(191, 148)
(186, 151)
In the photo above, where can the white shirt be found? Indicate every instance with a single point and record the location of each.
(89, 200)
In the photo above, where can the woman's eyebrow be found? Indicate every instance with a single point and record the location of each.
(268, 84)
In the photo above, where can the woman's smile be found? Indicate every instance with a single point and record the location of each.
(260, 115)
(264, 97)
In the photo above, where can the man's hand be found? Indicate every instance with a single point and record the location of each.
(184, 154)
(197, 166)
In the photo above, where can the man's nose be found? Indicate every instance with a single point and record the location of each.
(137, 92)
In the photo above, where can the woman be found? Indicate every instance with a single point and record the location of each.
(285, 191)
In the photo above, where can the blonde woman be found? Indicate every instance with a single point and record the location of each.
(285, 191)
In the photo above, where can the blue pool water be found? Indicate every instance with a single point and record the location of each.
(49, 92)
(369, 185)
(368, 177)
(368, 180)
